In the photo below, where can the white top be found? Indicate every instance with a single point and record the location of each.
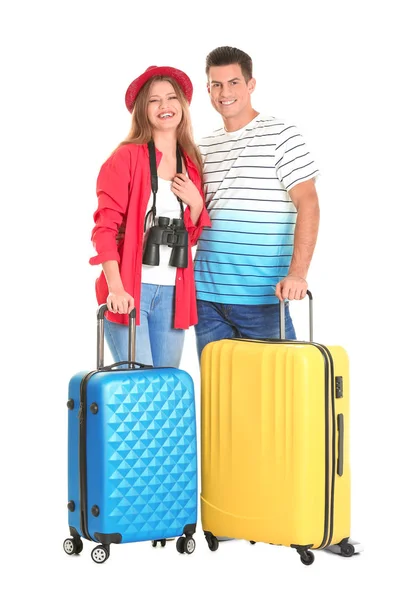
(167, 205)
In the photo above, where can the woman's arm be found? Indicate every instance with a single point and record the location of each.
(118, 300)
(113, 198)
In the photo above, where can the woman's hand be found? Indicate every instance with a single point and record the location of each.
(185, 189)
(120, 302)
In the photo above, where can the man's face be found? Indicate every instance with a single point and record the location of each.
(229, 92)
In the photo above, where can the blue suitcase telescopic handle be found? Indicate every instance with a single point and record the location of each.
(282, 317)
(100, 336)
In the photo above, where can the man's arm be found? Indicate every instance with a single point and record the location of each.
(305, 199)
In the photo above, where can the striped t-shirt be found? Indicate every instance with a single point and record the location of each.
(247, 177)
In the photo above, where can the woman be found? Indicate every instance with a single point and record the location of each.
(160, 141)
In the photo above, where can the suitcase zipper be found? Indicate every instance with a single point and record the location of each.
(82, 416)
(330, 434)
(330, 397)
(330, 428)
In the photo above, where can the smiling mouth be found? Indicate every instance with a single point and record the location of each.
(167, 115)
(227, 102)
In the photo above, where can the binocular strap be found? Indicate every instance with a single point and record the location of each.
(154, 180)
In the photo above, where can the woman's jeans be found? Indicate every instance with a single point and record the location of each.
(157, 342)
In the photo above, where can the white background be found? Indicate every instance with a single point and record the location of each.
(344, 73)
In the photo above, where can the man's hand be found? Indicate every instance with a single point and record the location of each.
(291, 287)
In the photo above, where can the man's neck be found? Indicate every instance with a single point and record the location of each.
(236, 123)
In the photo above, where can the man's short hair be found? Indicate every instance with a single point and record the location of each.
(226, 55)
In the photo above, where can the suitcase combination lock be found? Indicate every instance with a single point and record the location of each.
(339, 387)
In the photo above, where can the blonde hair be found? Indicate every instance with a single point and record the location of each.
(141, 130)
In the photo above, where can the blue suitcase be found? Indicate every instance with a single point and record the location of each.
(132, 454)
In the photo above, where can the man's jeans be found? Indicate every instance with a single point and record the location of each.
(225, 321)
(157, 342)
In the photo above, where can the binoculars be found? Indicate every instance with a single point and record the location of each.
(174, 235)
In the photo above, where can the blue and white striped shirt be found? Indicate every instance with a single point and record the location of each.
(247, 177)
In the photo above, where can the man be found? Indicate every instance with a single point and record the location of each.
(259, 182)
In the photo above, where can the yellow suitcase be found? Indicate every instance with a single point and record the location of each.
(275, 443)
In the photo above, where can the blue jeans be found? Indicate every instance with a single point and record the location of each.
(157, 342)
(224, 321)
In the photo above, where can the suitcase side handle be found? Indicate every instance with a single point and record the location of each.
(100, 336)
(282, 317)
(340, 444)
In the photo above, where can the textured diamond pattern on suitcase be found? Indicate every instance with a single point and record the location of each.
(150, 483)
(153, 447)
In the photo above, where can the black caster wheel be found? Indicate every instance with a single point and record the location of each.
(252, 542)
(70, 546)
(213, 543)
(73, 546)
(154, 543)
(181, 545)
(307, 557)
(347, 550)
(100, 554)
(189, 545)
(162, 542)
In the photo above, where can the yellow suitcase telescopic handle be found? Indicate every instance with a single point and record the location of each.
(282, 317)
(100, 336)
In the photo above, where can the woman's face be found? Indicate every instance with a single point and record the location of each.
(164, 108)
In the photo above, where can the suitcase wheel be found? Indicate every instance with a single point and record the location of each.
(347, 550)
(307, 557)
(100, 554)
(212, 542)
(73, 546)
(186, 544)
(155, 543)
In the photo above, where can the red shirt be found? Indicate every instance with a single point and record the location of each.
(123, 190)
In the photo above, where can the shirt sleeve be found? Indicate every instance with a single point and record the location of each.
(294, 162)
(113, 196)
(194, 231)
